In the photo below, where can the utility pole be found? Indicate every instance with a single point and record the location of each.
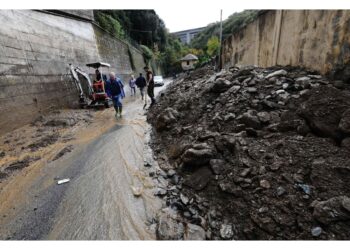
(219, 63)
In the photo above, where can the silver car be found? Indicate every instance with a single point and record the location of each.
(158, 81)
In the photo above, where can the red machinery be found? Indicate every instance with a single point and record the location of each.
(95, 90)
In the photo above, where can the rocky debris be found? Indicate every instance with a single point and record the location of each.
(344, 123)
(217, 166)
(280, 72)
(226, 232)
(198, 155)
(332, 210)
(168, 228)
(250, 119)
(194, 232)
(167, 117)
(199, 179)
(326, 113)
(280, 191)
(221, 85)
(256, 153)
(316, 231)
(2, 154)
(184, 199)
(265, 184)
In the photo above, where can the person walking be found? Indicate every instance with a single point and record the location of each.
(115, 90)
(150, 85)
(141, 84)
(132, 84)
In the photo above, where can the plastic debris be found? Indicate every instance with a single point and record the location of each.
(306, 188)
(63, 181)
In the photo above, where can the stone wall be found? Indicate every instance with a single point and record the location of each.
(317, 39)
(36, 49)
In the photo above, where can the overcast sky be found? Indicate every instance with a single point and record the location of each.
(194, 15)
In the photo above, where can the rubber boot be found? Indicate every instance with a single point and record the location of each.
(120, 111)
(116, 112)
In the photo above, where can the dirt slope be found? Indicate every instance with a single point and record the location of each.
(255, 153)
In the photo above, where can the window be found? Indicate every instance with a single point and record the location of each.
(188, 62)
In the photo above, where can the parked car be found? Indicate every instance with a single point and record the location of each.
(158, 81)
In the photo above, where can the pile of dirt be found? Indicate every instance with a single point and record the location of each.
(254, 153)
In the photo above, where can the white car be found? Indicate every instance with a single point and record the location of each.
(158, 81)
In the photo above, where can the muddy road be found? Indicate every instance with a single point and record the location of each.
(109, 196)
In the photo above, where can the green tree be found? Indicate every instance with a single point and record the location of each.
(143, 26)
(213, 46)
(232, 24)
(110, 24)
(147, 53)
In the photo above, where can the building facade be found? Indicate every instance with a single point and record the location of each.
(187, 35)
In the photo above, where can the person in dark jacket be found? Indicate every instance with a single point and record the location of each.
(98, 75)
(150, 85)
(141, 84)
(115, 90)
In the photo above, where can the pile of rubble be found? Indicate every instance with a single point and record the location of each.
(253, 153)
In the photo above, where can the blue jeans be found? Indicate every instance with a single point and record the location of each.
(117, 101)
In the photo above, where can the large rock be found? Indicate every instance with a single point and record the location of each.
(199, 179)
(346, 143)
(281, 72)
(250, 119)
(324, 109)
(194, 232)
(221, 85)
(198, 155)
(264, 117)
(231, 188)
(168, 228)
(217, 166)
(226, 231)
(304, 82)
(344, 124)
(332, 210)
(166, 118)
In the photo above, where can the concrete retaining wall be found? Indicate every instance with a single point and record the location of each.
(317, 39)
(35, 51)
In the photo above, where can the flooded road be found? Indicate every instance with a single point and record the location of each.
(109, 196)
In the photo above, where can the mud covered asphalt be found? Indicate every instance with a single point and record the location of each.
(105, 164)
